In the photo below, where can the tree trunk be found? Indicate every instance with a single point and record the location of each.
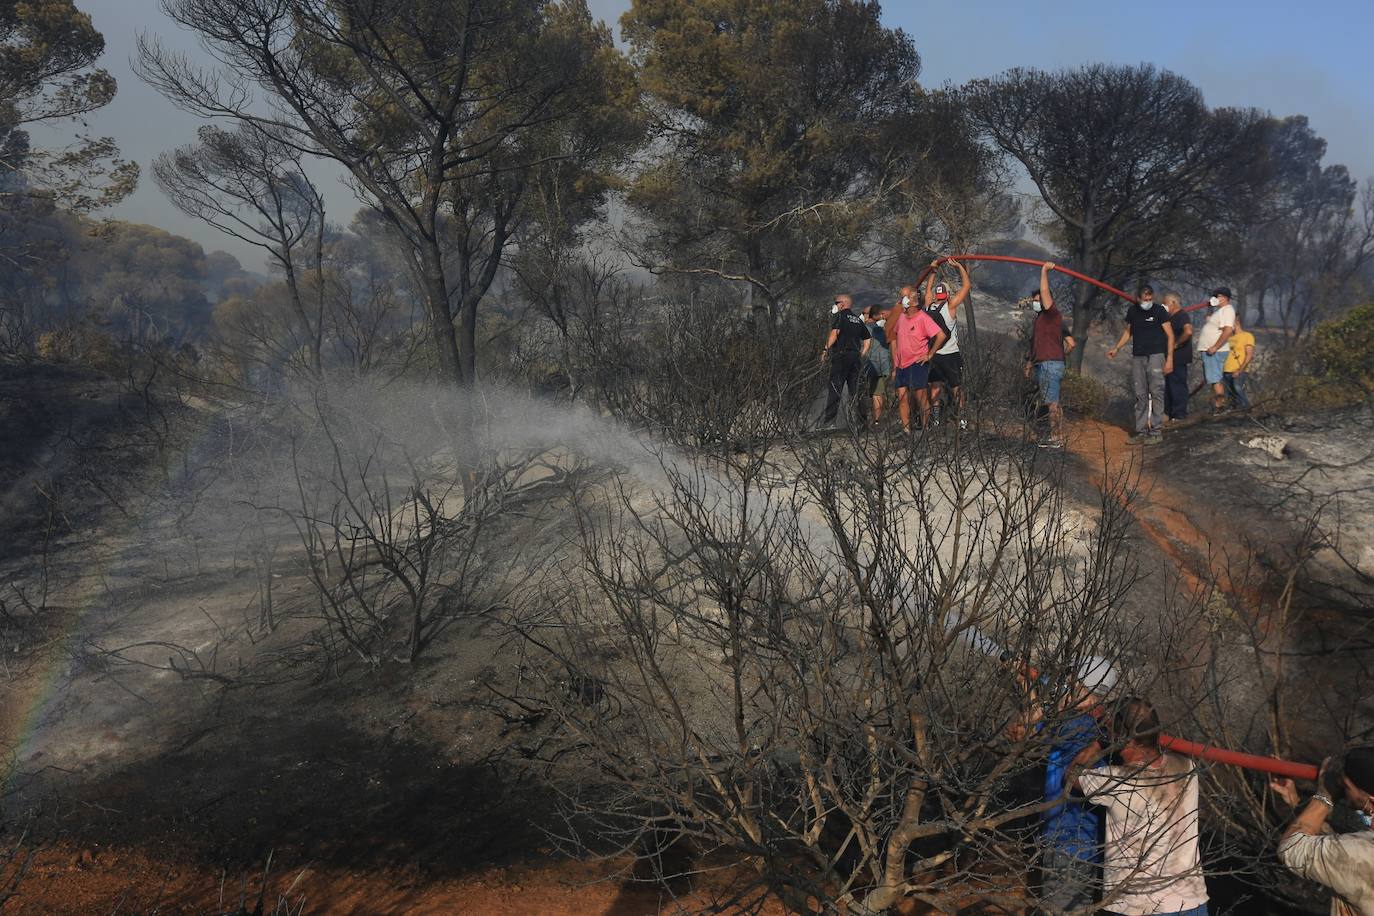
(972, 348)
(754, 259)
(467, 341)
(311, 338)
(317, 343)
(440, 319)
(1082, 307)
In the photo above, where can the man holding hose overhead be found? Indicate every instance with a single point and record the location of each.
(947, 365)
(1050, 342)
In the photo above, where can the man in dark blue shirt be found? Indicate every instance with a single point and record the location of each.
(1176, 382)
(1152, 357)
(845, 348)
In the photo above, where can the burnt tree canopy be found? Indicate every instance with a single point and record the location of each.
(441, 111)
(1135, 170)
(48, 52)
(772, 134)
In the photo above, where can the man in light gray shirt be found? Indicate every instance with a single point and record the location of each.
(1341, 862)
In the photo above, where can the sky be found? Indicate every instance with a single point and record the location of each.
(1286, 58)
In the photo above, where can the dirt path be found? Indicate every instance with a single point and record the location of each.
(1165, 515)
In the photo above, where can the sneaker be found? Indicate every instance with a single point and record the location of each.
(1137, 438)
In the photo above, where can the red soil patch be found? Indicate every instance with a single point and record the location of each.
(68, 882)
(1162, 512)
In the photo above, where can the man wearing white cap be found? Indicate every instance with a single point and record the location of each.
(1214, 343)
(947, 365)
(1070, 854)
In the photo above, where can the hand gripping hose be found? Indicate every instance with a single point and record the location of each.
(1235, 758)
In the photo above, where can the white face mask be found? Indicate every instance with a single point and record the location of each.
(881, 322)
(906, 301)
(1036, 305)
(1214, 302)
(834, 310)
(1366, 820)
(1147, 304)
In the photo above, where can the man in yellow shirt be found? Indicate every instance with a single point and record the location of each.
(1233, 372)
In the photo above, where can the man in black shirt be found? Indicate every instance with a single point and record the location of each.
(846, 348)
(1152, 357)
(1176, 382)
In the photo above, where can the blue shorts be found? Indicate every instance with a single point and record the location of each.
(1199, 910)
(917, 375)
(1048, 375)
(1212, 365)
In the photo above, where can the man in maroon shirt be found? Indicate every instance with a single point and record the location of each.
(1050, 342)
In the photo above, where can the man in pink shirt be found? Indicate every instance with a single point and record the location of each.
(914, 337)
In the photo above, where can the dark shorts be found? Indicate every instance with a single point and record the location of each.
(917, 375)
(947, 369)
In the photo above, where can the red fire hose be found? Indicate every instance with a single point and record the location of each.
(1063, 270)
(1236, 758)
(1257, 762)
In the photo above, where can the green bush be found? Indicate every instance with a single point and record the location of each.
(1084, 395)
(1342, 349)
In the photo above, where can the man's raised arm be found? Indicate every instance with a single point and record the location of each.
(959, 297)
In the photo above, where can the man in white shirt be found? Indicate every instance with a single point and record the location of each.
(947, 365)
(1152, 866)
(1214, 343)
(1342, 862)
